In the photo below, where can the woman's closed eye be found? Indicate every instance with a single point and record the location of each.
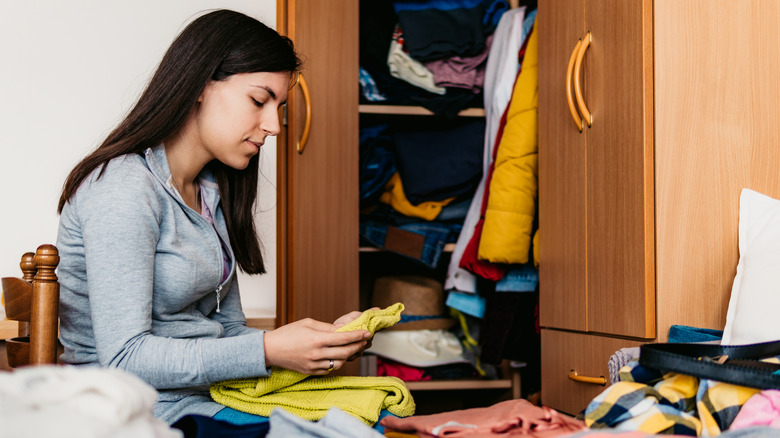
(257, 102)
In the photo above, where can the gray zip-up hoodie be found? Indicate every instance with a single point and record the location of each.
(140, 273)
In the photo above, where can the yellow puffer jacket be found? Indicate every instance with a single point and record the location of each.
(507, 232)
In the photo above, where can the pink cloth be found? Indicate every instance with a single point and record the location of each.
(508, 418)
(461, 72)
(763, 409)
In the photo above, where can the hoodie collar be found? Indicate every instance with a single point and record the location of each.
(157, 161)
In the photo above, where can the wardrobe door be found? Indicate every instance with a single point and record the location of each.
(562, 171)
(620, 219)
(318, 224)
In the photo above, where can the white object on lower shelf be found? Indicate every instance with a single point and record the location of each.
(418, 348)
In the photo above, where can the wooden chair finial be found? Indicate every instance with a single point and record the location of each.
(28, 266)
(46, 260)
(45, 302)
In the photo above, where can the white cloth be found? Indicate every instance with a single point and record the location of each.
(418, 348)
(336, 424)
(500, 73)
(404, 67)
(84, 402)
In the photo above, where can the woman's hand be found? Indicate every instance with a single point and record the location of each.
(308, 346)
(346, 319)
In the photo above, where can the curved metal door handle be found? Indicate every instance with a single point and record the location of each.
(307, 124)
(569, 98)
(601, 380)
(577, 82)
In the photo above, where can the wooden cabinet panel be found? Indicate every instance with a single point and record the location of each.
(562, 174)
(717, 121)
(588, 355)
(596, 187)
(319, 238)
(684, 118)
(620, 243)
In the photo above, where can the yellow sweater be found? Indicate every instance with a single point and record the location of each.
(310, 397)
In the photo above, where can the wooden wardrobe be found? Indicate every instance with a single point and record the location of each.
(319, 272)
(318, 165)
(638, 213)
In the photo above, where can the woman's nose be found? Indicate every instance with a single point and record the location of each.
(269, 122)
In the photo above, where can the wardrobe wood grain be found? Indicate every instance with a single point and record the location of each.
(620, 222)
(567, 352)
(685, 116)
(320, 217)
(562, 174)
(716, 123)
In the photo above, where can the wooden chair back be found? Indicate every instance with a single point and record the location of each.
(33, 301)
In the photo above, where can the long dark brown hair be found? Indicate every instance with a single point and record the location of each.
(212, 47)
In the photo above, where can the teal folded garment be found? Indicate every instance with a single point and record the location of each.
(470, 304)
(686, 334)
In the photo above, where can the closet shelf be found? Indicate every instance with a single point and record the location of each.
(447, 248)
(405, 110)
(448, 385)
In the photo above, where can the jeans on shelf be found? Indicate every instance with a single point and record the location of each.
(423, 241)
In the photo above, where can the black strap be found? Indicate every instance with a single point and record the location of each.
(700, 360)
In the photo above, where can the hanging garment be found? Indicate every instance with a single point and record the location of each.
(511, 207)
(500, 72)
(471, 260)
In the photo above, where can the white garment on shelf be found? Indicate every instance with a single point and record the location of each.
(500, 73)
(84, 402)
(404, 67)
(418, 348)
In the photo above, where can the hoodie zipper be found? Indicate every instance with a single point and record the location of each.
(177, 197)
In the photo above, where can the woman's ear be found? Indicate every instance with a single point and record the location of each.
(206, 89)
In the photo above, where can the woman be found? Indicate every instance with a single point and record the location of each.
(155, 222)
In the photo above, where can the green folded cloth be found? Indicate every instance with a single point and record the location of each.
(310, 397)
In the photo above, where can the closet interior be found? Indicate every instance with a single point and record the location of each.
(423, 124)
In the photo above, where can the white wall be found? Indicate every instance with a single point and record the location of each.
(69, 71)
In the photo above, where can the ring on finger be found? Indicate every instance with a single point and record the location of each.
(330, 365)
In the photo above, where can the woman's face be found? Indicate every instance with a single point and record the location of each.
(235, 115)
